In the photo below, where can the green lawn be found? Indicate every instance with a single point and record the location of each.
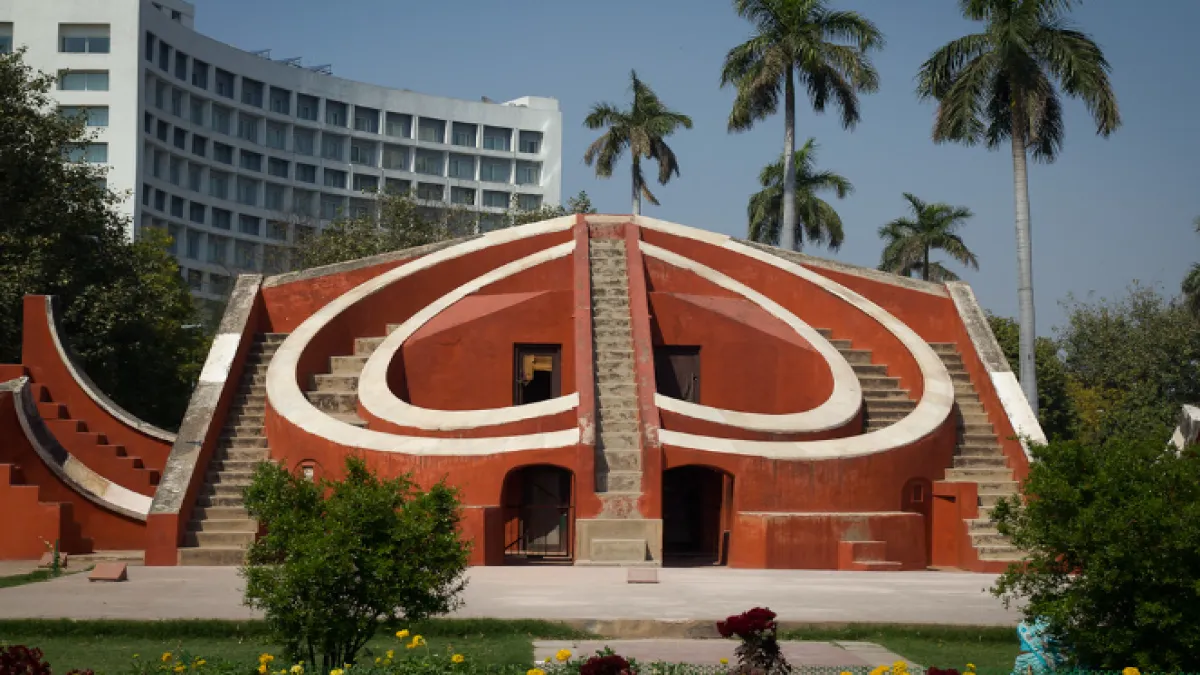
(992, 650)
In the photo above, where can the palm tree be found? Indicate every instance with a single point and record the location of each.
(798, 41)
(1191, 283)
(817, 218)
(998, 86)
(643, 129)
(910, 240)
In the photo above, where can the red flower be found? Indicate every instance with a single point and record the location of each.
(747, 624)
(939, 671)
(611, 664)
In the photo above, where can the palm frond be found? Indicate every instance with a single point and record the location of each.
(1079, 64)
(817, 220)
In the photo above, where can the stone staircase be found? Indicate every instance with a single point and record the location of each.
(221, 529)
(336, 392)
(884, 402)
(979, 459)
(619, 536)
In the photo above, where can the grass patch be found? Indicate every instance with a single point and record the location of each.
(109, 646)
(22, 579)
(992, 650)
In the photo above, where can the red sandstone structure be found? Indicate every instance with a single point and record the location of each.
(605, 390)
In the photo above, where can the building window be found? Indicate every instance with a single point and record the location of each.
(221, 119)
(431, 130)
(176, 176)
(275, 259)
(497, 138)
(218, 185)
(223, 153)
(395, 158)
(361, 210)
(306, 173)
(218, 284)
(529, 202)
(93, 116)
(147, 122)
(497, 200)
(366, 183)
(173, 231)
(281, 101)
(199, 74)
(164, 55)
(196, 212)
(193, 244)
(224, 81)
(331, 207)
(302, 204)
(149, 43)
(335, 113)
(277, 230)
(195, 278)
(461, 195)
(495, 170)
(162, 130)
(334, 178)
(529, 173)
(428, 162)
(366, 119)
(177, 207)
(277, 167)
(396, 186)
(181, 64)
(252, 92)
(248, 127)
(251, 161)
(199, 145)
(222, 219)
(93, 153)
(160, 200)
(180, 138)
(464, 134)
(245, 255)
(276, 136)
(196, 106)
(247, 191)
(160, 95)
(83, 80)
(83, 39)
(249, 225)
(303, 141)
(531, 142)
(306, 107)
(431, 191)
(399, 125)
(331, 147)
(273, 197)
(195, 177)
(362, 153)
(462, 166)
(176, 102)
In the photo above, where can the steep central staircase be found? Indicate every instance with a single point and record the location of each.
(884, 402)
(336, 392)
(979, 459)
(221, 529)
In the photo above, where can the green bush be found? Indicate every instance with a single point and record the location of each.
(1112, 531)
(340, 556)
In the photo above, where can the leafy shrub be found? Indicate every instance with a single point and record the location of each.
(22, 660)
(340, 556)
(1112, 534)
(759, 651)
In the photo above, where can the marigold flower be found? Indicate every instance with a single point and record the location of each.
(262, 669)
(378, 660)
(297, 669)
(401, 634)
(563, 655)
(457, 658)
(881, 670)
(198, 663)
(166, 657)
(535, 671)
(970, 666)
(391, 654)
(725, 662)
(180, 668)
(845, 672)
(1131, 671)
(418, 641)
(336, 671)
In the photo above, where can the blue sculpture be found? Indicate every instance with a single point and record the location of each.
(1039, 651)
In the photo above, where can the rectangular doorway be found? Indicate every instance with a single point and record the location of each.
(677, 372)
(536, 371)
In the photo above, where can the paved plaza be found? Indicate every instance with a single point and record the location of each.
(597, 597)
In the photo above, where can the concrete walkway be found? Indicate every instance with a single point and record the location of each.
(596, 594)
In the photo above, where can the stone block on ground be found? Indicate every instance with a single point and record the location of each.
(109, 571)
(643, 575)
(47, 560)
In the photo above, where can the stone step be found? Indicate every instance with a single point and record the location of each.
(879, 394)
(618, 389)
(990, 446)
(222, 539)
(622, 460)
(878, 382)
(248, 389)
(226, 489)
(258, 359)
(989, 539)
(334, 382)
(610, 416)
(881, 404)
(610, 292)
(249, 400)
(254, 376)
(225, 525)
(1008, 486)
(889, 416)
(618, 440)
(334, 401)
(968, 406)
(244, 454)
(602, 312)
(220, 500)
(239, 418)
(243, 442)
(613, 342)
(991, 499)
(857, 356)
(250, 408)
(960, 377)
(212, 557)
(619, 424)
(982, 526)
(842, 344)
(347, 365)
(825, 332)
(619, 481)
(979, 462)
(617, 550)
(366, 346)
(974, 475)
(224, 477)
(615, 371)
(233, 430)
(271, 338)
(870, 368)
(221, 513)
(1007, 553)
(944, 347)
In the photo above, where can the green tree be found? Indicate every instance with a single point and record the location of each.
(818, 220)
(340, 556)
(643, 130)
(998, 86)
(1191, 283)
(909, 241)
(580, 203)
(126, 311)
(802, 41)
(1112, 534)
(1057, 412)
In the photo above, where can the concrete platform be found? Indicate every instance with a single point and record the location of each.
(710, 652)
(599, 598)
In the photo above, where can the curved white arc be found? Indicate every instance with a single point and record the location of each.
(837, 411)
(378, 399)
(288, 400)
(937, 399)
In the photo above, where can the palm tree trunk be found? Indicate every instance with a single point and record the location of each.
(787, 234)
(925, 266)
(637, 194)
(1028, 371)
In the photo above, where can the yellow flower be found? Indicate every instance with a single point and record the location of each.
(336, 671)
(411, 645)
(262, 669)
(265, 658)
(970, 666)
(136, 655)
(899, 667)
(535, 671)
(401, 634)
(881, 670)
(180, 668)
(166, 657)
(391, 654)
(378, 660)
(725, 662)
(563, 655)
(297, 669)
(198, 663)
(845, 672)
(1131, 671)
(418, 641)
(457, 658)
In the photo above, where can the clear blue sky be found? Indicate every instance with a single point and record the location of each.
(1107, 213)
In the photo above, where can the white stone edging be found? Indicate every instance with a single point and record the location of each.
(286, 397)
(839, 409)
(378, 399)
(931, 411)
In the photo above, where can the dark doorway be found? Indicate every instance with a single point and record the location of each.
(677, 372)
(538, 515)
(697, 504)
(536, 373)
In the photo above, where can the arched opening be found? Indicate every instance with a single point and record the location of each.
(697, 515)
(539, 515)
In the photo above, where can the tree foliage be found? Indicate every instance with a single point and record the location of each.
(1057, 412)
(126, 311)
(934, 226)
(1191, 283)
(817, 221)
(1112, 531)
(642, 130)
(340, 556)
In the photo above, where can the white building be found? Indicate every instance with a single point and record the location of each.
(236, 154)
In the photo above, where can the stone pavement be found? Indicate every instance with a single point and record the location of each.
(710, 652)
(596, 597)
